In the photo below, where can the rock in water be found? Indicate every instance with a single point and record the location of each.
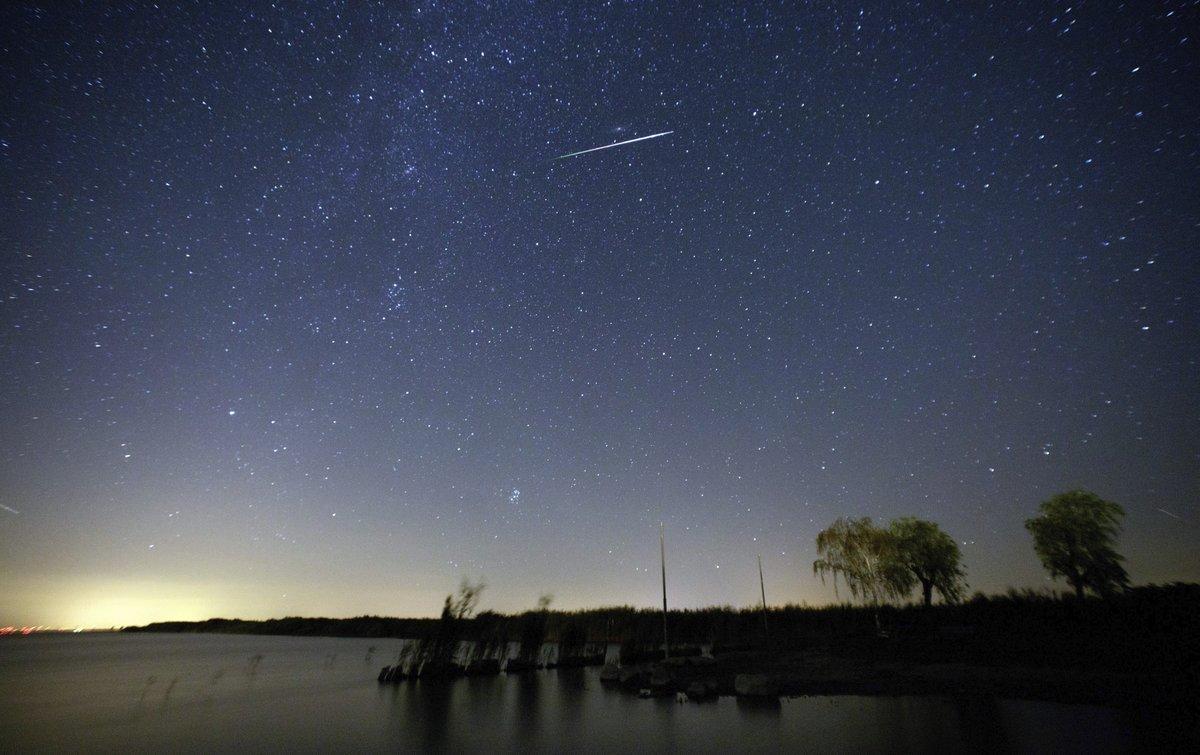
(633, 677)
(660, 679)
(756, 685)
(483, 667)
(439, 670)
(515, 665)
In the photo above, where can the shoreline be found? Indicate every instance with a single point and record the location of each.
(1137, 649)
(815, 673)
(763, 675)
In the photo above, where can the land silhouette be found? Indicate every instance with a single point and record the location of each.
(1102, 642)
(1135, 647)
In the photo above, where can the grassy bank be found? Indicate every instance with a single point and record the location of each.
(1142, 630)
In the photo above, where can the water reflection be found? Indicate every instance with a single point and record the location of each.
(526, 712)
(760, 707)
(429, 714)
(980, 720)
(572, 690)
(237, 693)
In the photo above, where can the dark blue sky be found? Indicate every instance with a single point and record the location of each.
(301, 317)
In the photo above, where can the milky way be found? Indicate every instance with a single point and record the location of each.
(300, 318)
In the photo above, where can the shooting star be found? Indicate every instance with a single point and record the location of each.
(9, 509)
(618, 144)
(1168, 513)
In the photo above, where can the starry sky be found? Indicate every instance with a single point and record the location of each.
(300, 315)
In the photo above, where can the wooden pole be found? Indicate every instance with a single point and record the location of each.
(662, 552)
(763, 589)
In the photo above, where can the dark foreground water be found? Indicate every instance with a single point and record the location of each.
(225, 693)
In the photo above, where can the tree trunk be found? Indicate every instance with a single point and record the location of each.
(927, 590)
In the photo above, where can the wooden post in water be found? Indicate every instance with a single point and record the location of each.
(662, 552)
(762, 588)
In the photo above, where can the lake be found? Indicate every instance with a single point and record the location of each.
(111, 692)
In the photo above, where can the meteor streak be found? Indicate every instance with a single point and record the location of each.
(618, 144)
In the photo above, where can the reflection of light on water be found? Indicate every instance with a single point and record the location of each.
(153, 692)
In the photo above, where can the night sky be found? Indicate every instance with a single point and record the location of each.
(302, 317)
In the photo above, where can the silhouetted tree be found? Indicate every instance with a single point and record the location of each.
(931, 556)
(436, 652)
(865, 558)
(461, 606)
(532, 629)
(1074, 534)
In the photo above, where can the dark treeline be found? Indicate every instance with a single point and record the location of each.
(1139, 629)
(359, 626)
(1074, 536)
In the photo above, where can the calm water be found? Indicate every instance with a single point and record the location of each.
(197, 692)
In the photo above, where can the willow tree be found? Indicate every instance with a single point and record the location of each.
(1074, 534)
(931, 556)
(864, 557)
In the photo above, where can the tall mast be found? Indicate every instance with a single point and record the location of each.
(762, 588)
(662, 551)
